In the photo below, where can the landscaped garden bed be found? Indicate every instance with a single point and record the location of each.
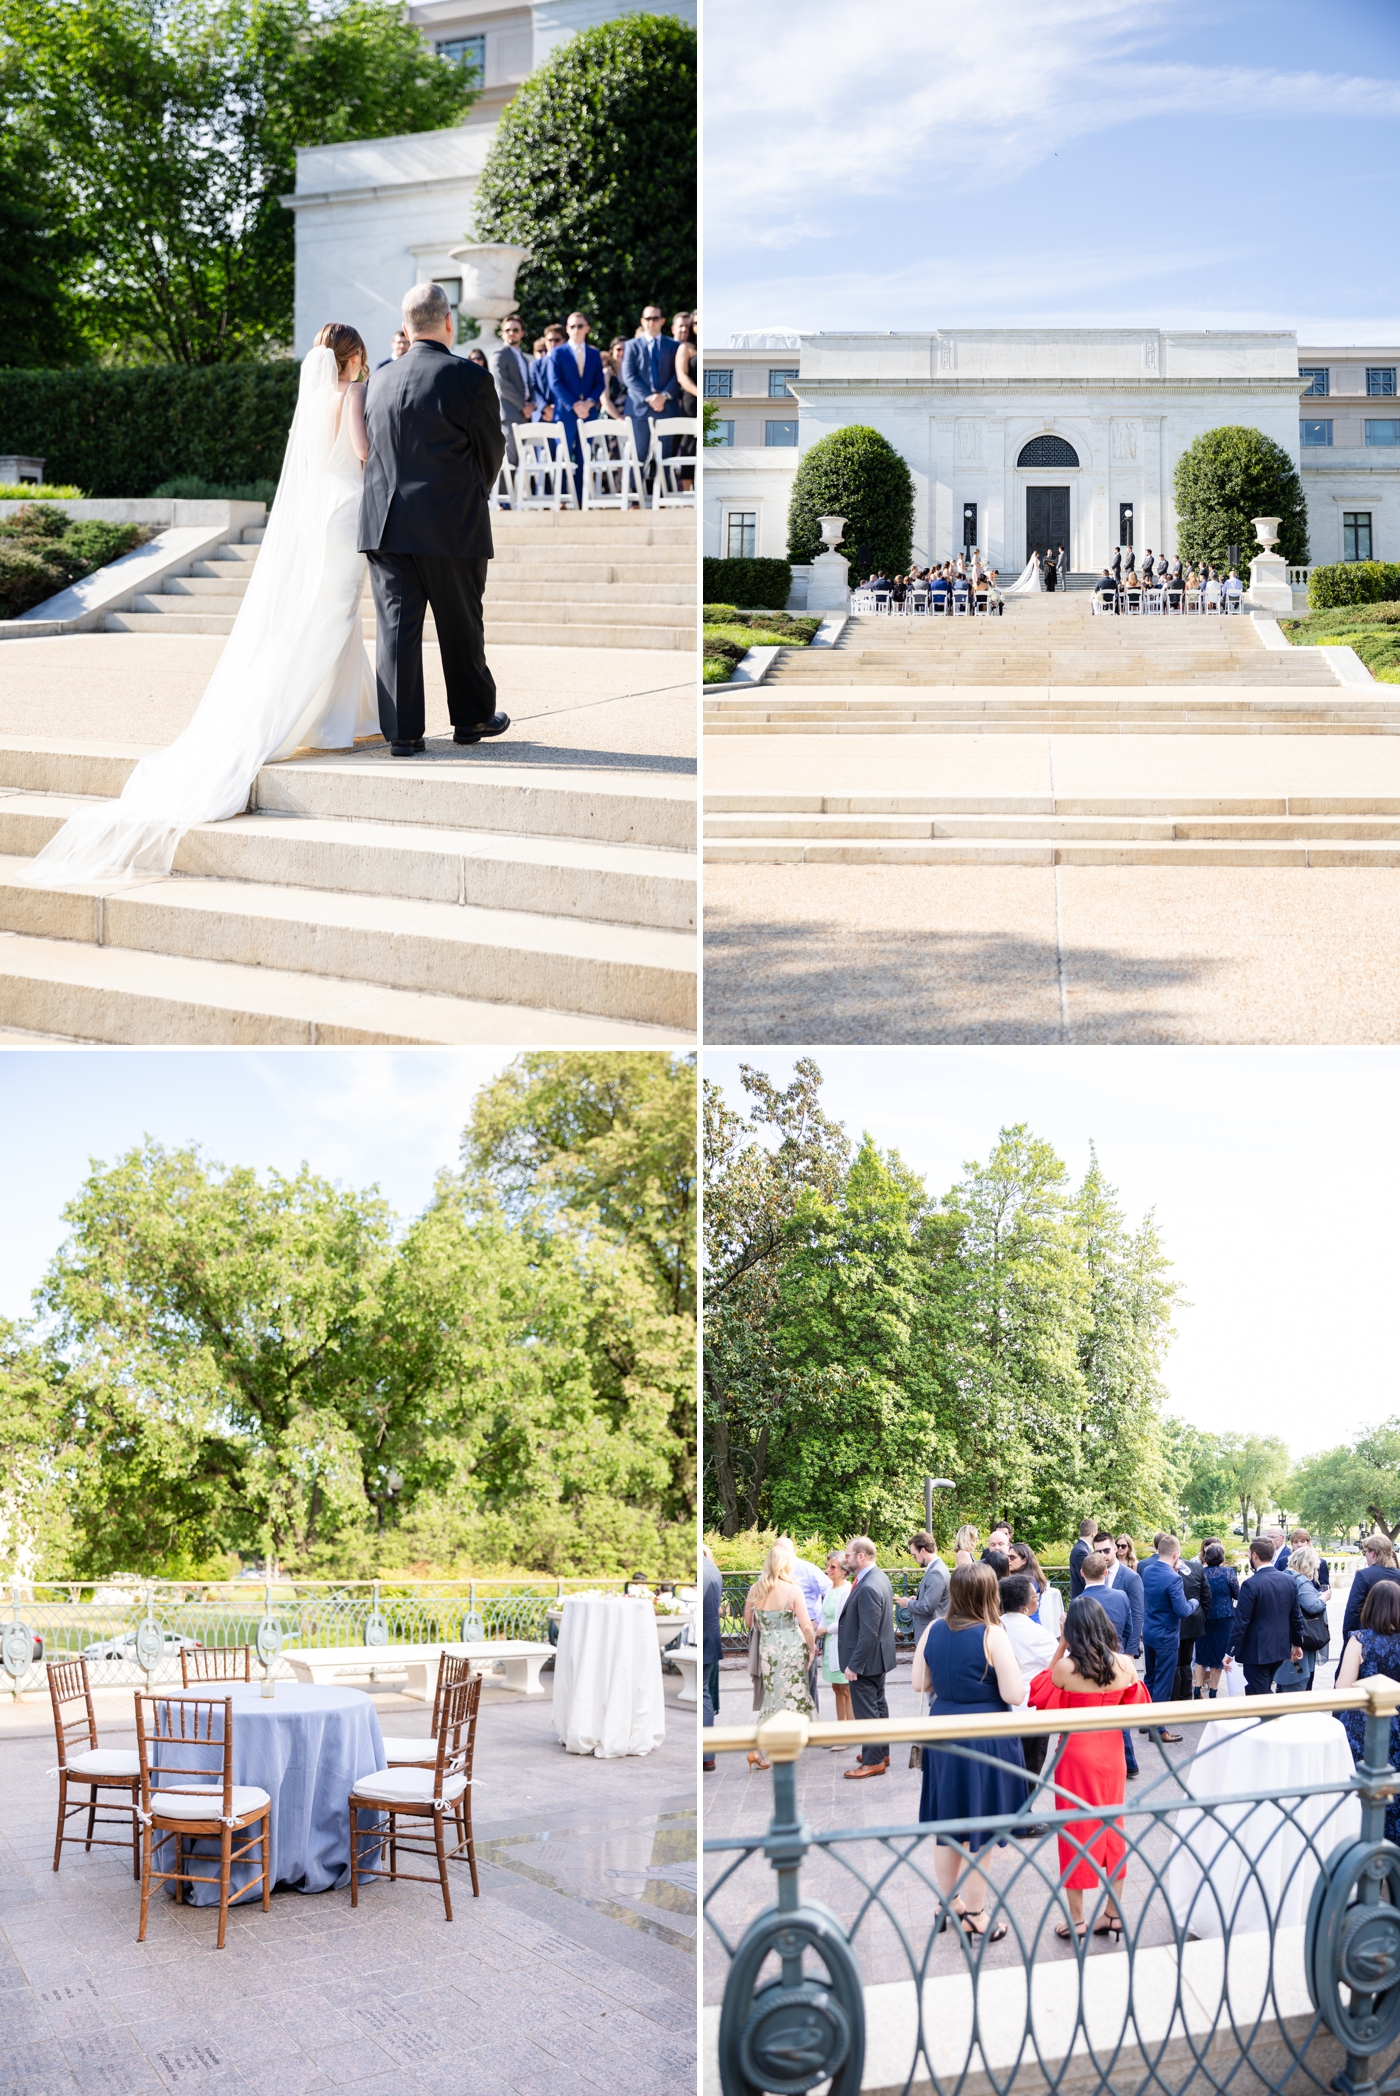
(1372, 630)
(728, 634)
(42, 551)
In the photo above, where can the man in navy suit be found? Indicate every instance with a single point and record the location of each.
(649, 374)
(539, 375)
(1164, 1606)
(1077, 1556)
(576, 384)
(1119, 1610)
(1268, 1621)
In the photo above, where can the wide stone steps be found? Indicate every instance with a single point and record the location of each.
(1023, 711)
(474, 891)
(1034, 830)
(591, 579)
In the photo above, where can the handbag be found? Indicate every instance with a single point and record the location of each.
(756, 1668)
(1316, 1633)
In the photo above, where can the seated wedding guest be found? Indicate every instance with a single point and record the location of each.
(1106, 590)
(477, 356)
(995, 601)
(1234, 588)
(938, 592)
(540, 391)
(1213, 591)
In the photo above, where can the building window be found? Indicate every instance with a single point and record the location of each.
(469, 51)
(1048, 451)
(1380, 378)
(722, 433)
(741, 534)
(1125, 525)
(1356, 534)
(719, 385)
(778, 383)
(780, 432)
(1319, 381)
(1315, 432)
(1383, 432)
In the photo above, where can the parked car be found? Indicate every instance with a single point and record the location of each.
(123, 1646)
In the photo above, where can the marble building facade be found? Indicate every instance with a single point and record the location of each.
(1028, 437)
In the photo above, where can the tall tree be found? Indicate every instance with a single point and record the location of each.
(40, 255)
(1257, 1466)
(174, 125)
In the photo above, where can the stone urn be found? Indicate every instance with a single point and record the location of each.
(831, 529)
(488, 279)
(1269, 593)
(828, 587)
(1266, 531)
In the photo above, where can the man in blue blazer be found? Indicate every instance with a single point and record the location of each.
(1123, 1580)
(649, 374)
(576, 384)
(1268, 1621)
(1164, 1606)
(1094, 1570)
(1087, 1528)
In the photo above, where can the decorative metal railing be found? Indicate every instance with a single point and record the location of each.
(120, 1627)
(1260, 1944)
(903, 1579)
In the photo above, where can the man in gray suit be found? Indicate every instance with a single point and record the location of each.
(865, 1647)
(932, 1597)
(510, 368)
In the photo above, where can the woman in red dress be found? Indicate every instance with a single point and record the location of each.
(1089, 1672)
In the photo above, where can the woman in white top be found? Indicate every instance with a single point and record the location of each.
(1049, 1609)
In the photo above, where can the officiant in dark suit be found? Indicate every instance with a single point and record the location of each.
(435, 448)
(865, 1647)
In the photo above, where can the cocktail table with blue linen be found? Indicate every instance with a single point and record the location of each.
(307, 1748)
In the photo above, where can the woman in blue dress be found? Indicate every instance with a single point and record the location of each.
(1222, 1592)
(1373, 1649)
(971, 1670)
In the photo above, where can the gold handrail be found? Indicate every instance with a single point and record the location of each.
(785, 1735)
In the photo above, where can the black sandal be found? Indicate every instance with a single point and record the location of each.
(1068, 1934)
(1111, 1925)
(971, 1914)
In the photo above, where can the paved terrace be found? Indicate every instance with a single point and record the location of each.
(575, 1970)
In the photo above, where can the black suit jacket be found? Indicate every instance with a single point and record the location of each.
(1268, 1620)
(435, 448)
(1361, 1585)
(865, 1626)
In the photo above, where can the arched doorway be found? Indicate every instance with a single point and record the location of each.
(1048, 508)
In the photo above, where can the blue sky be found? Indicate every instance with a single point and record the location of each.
(1052, 162)
(1272, 1173)
(394, 1117)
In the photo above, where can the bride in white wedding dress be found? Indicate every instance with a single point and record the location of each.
(293, 674)
(1030, 582)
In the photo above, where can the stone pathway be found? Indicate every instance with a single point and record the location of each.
(574, 1970)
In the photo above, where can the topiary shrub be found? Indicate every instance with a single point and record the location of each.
(1225, 479)
(857, 474)
(755, 585)
(593, 168)
(1354, 582)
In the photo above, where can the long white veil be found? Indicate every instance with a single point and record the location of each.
(272, 680)
(1029, 583)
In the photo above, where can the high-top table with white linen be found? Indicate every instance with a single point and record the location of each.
(1254, 1864)
(608, 1694)
(307, 1748)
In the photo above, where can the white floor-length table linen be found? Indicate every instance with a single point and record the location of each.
(608, 1694)
(1255, 1864)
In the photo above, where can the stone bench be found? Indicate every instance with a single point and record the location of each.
(687, 1658)
(518, 1659)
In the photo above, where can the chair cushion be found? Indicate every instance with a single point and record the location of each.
(404, 1749)
(174, 1804)
(411, 1786)
(104, 1761)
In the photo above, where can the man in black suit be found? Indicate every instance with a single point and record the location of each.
(435, 448)
(1117, 565)
(1379, 1553)
(865, 1647)
(1268, 1621)
(1088, 1529)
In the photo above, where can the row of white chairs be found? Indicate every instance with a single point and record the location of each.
(962, 604)
(1166, 602)
(613, 476)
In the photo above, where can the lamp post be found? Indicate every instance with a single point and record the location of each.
(932, 1485)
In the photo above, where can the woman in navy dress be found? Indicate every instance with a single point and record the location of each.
(1222, 1592)
(972, 1669)
(1373, 1649)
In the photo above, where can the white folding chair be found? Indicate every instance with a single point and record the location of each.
(1132, 600)
(612, 472)
(1191, 601)
(503, 494)
(668, 489)
(544, 478)
(960, 597)
(1152, 603)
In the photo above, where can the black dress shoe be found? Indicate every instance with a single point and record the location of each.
(406, 749)
(497, 725)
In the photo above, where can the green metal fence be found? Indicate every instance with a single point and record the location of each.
(1260, 1944)
(106, 1621)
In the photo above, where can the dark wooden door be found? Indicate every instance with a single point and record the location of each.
(1047, 520)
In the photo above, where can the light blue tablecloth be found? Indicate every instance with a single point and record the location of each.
(307, 1748)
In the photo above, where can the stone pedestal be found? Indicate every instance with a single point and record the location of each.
(828, 588)
(1269, 588)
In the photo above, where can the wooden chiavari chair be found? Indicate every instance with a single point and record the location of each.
(401, 1750)
(216, 1663)
(183, 1797)
(423, 1793)
(81, 1761)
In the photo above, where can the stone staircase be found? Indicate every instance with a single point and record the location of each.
(1053, 640)
(560, 578)
(364, 900)
(1039, 830)
(1064, 711)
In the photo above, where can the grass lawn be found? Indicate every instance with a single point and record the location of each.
(728, 634)
(1373, 630)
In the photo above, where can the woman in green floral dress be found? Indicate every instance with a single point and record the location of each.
(786, 1639)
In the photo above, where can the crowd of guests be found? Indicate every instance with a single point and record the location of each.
(961, 585)
(649, 375)
(1172, 582)
(992, 1633)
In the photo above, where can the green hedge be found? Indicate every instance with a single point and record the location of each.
(757, 585)
(123, 432)
(1354, 582)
